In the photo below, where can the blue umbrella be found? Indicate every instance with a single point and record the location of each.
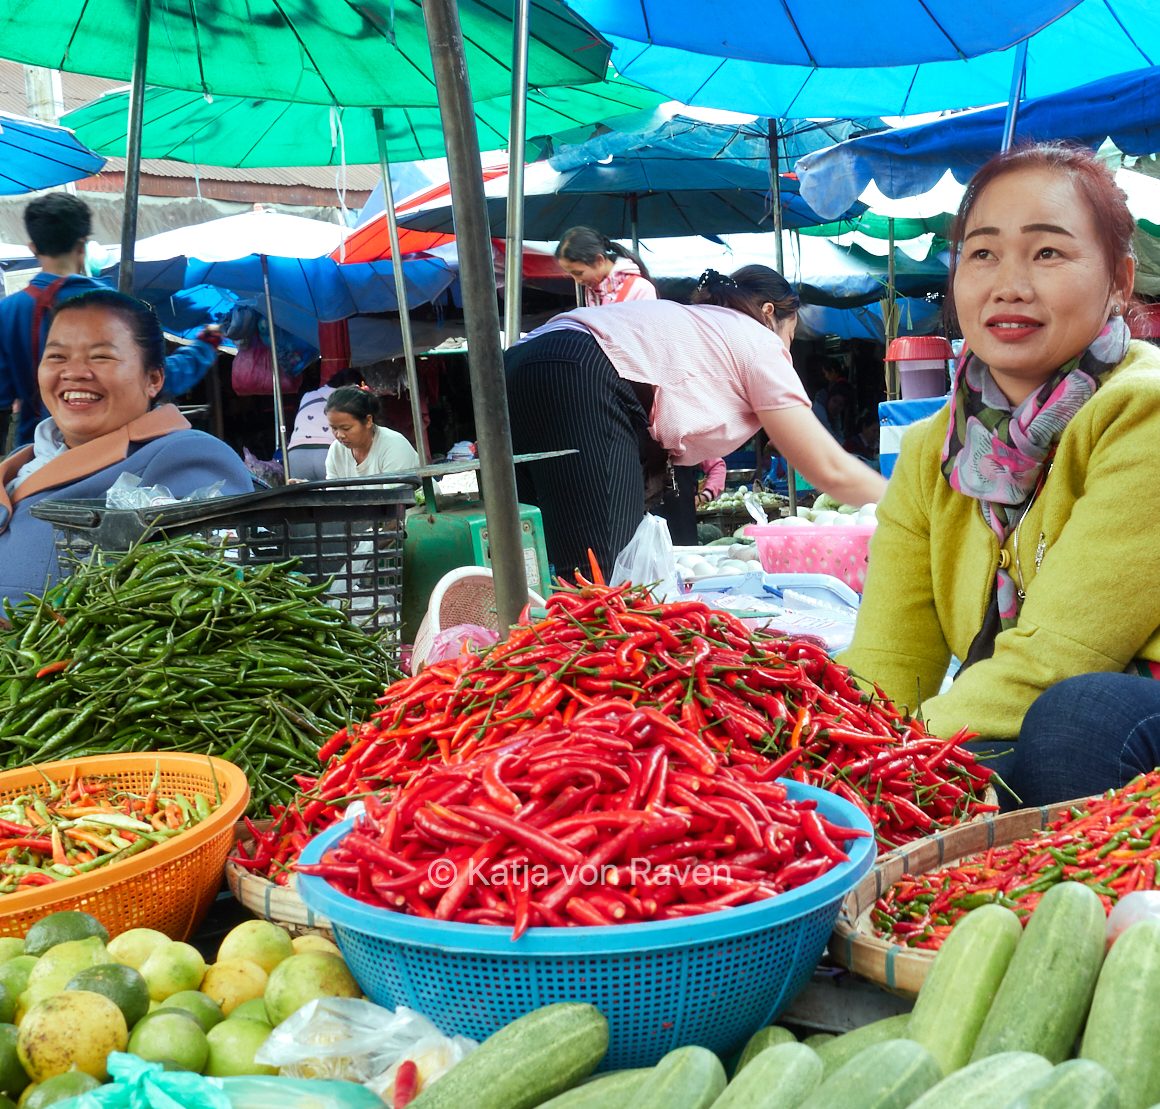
(838, 33)
(907, 161)
(1095, 39)
(307, 291)
(666, 185)
(36, 155)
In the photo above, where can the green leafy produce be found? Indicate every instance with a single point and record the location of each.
(175, 646)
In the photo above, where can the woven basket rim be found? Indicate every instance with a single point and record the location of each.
(265, 898)
(231, 779)
(855, 945)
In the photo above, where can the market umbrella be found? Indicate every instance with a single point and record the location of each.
(806, 33)
(35, 155)
(906, 161)
(370, 53)
(690, 62)
(246, 132)
(669, 187)
(257, 232)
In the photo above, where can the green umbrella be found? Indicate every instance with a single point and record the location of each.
(248, 133)
(372, 53)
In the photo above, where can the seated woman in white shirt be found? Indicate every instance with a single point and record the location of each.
(362, 448)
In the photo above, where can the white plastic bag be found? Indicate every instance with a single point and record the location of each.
(356, 1040)
(648, 559)
(128, 492)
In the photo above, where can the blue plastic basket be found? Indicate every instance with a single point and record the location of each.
(711, 980)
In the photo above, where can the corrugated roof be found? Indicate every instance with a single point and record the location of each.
(79, 89)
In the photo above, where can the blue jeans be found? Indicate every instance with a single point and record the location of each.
(1085, 735)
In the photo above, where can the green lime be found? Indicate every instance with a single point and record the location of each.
(13, 1077)
(10, 947)
(6, 1102)
(7, 1005)
(120, 984)
(200, 1006)
(56, 928)
(232, 1047)
(171, 1034)
(60, 1087)
(14, 973)
(254, 1009)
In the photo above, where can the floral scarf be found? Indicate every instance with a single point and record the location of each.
(997, 454)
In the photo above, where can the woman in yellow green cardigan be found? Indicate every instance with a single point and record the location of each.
(1017, 531)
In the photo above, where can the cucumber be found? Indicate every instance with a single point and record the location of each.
(615, 1090)
(961, 984)
(1046, 992)
(761, 1039)
(841, 1049)
(889, 1075)
(1076, 1084)
(992, 1081)
(686, 1078)
(1123, 1029)
(537, 1056)
(781, 1077)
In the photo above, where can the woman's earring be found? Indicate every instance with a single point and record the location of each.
(1115, 309)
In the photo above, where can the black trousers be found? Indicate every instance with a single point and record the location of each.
(679, 507)
(563, 393)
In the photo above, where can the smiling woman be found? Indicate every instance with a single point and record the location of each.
(102, 367)
(1005, 537)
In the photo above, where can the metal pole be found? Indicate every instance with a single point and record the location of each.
(279, 411)
(133, 151)
(1013, 97)
(400, 288)
(634, 222)
(891, 320)
(517, 135)
(477, 278)
(779, 253)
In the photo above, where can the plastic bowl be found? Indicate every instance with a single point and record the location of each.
(711, 980)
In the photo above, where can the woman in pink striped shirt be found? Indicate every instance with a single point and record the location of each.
(678, 383)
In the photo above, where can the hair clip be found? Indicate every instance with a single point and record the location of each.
(711, 278)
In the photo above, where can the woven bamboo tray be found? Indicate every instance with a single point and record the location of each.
(270, 901)
(893, 966)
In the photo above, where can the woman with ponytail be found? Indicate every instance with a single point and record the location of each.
(607, 272)
(640, 388)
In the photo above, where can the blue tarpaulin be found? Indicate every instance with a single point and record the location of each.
(907, 161)
(36, 155)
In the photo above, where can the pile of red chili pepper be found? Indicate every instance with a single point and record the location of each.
(1110, 842)
(751, 697)
(622, 815)
(84, 824)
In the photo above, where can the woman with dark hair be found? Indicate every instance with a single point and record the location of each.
(1016, 532)
(102, 368)
(607, 272)
(362, 448)
(662, 384)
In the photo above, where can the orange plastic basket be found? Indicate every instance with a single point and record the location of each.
(169, 887)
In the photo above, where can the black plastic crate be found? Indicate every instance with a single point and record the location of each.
(341, 530)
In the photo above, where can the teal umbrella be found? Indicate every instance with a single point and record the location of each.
(372, 53)
(248, 133)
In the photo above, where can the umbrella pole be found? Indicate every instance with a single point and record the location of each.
(400, 288)
(279, 411)
(133, 150)
(779, 252)
(1018, 71)
(517, 135)
(891, 321)
(634, 222)
(477, 277)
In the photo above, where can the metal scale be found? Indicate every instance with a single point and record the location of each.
(450, 530)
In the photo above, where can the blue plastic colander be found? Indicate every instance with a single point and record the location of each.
(711, 980)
